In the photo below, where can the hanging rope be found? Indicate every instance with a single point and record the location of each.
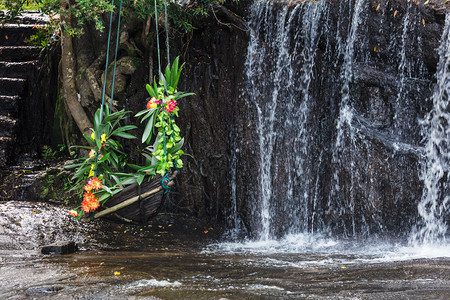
(157, 40)
(106, 65)
(167, 33)
(115, 57)
(106, 70)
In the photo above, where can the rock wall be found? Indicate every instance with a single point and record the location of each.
(332, 138)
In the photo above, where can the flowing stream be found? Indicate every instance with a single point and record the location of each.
(169, 259)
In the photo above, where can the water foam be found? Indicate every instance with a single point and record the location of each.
(317, 249)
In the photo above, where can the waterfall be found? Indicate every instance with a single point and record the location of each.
(344, 124)
(282, 39)
(328, 139)
(433, 207)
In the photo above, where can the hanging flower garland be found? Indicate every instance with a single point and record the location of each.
(102, 173)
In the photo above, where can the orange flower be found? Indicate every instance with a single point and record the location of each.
(73, 213)
(92, 153)
(88, 187)
(95, 183)
(89, 203)
(153, 103)
(94, 205)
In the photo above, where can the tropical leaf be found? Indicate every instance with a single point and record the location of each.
(124, 135)
(151, 91)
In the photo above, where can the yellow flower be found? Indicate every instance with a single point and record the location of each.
(103, 138)
(92, 171)
(93, 135)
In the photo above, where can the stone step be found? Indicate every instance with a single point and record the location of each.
(19, 53)
(21, 69)
(16, 34)
(6, 145)
(12, 86)
(8, 126)
(9, 105)
(28, 17)
(33, 17)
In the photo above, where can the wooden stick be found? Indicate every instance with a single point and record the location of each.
(129, 201)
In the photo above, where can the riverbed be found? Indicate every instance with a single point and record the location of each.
(167, 260)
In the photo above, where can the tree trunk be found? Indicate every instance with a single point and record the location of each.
(68, 72)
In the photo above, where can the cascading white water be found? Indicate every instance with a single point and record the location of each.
(327, 140)
(266, 112)
(435, 171)
(344, 128)
(282, 115)
(403, 68)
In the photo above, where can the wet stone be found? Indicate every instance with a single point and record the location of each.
(60, 247)
(44, 290)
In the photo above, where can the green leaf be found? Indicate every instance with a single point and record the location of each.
(107, 189)
(177, 78)
(97, 122)
(82, 147)
(151, 91)
(180, 95)
(140, 179)
(152, 112)
(89, 139)
(124, 128)
(148, 129)
(167, 74)
(73, 166)
(124, 135)
(163, 80)
(179, 163)
(134, 167)
(104, 197)
(117, 115)
(177, 146)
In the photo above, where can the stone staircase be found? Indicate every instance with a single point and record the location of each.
(18, 62)
(19, 65)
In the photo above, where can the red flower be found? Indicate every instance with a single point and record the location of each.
(88, 188)
(170, 106)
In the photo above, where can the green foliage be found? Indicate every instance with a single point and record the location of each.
(15, 7)
(103, 173)
(56, 185)
(85, 11)
(165, 151)
(45, 34)
(48, 152)
(106, 159)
